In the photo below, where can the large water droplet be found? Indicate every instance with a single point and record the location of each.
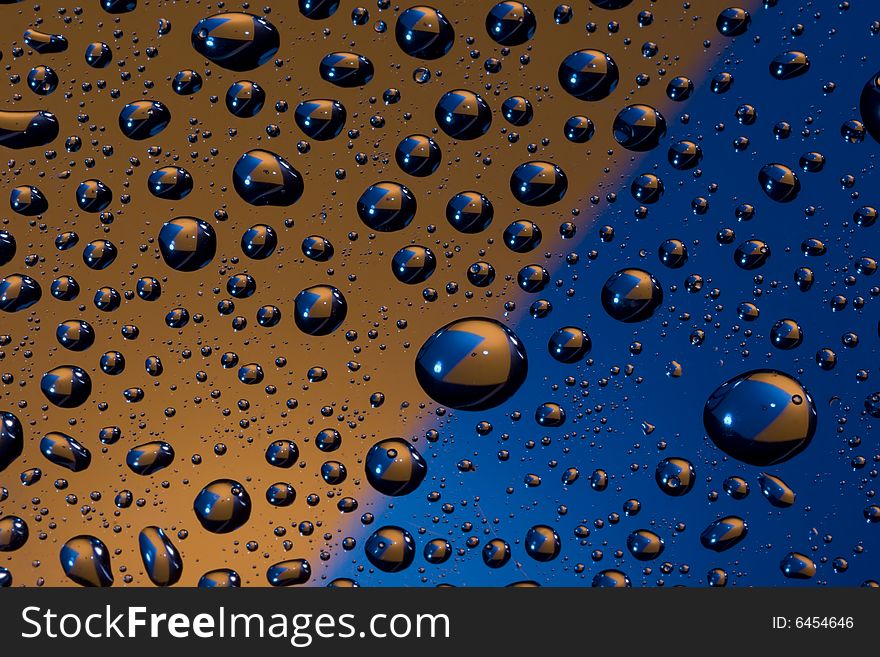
(424, 32)
(391, 549)
(472, 364)
(65, 451)
(235, 40)
(66, 386)
(222, 506)
(187, 243)
(162, 561)
(394, 467)
(86, 560)
(265, 178)
(24, 129)
(755, 418)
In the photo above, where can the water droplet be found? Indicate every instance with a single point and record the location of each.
(148, 458)
(66, 386)
(236, 41)
(222, 506)
(319, 310)
(462, 114)
(472, 364)
(86, 560)
(265, 178)
(724, 533)
(162, 561)
(65, 451)
(589, 75)
(424, 32)
(753, 419)
(390, 549)
(187, 243)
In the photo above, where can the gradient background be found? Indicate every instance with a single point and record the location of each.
(604, 416)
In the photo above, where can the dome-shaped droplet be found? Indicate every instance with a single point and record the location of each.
(733, 21)
(187, 243)
(424, 32)
(869, 107)
(162, 561)
(23, 129)
(235, 40)
(387, 206)
(265, 178)
(797, 566)
(684, 155)
(569, 344)
(675, 476)
(469, 212)
(98, 55)
(644, 545)
(631, 295)
(93, 196)
(99, 254)
(13, 533)
(259, 241)
(319, 310)
(779, 182)
(639, 128)
(148, 458)
(462, 114)
(320, 119)
(679, 88)
(27, 200)
(170, 183)
(245, 99)
(517, 110)
(724, 533)
(542, 543)
(86, 560)
(289, 573)
(318, 9)
(221, 578)
(317, 248)
(579, 129)
(391, 549)
(42, 80)
(789, 64)
(418, 155)
(11, 439)
(673, 253)
(118, 6)
(538, 183)
(7, 247)
(762, 417)
(588, 74)
(751, 254)
(786, 334)
(186, 82)
(43, 42)
(144, 119)
(776, 491)
(394, 467)
(413, 264)
(511, 23)
(65, 451)
(522, 236)
(611, 579)
(346, 69)
(18, 292)
(472, 364)
(66, 386)
(222, 506)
